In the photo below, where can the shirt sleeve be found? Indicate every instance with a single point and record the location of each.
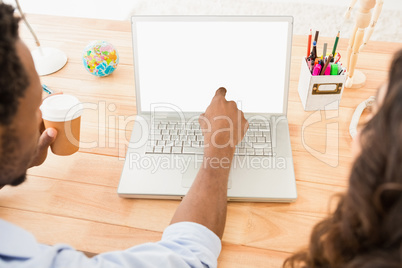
(184, 244)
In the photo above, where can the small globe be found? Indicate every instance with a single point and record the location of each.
(100, 58)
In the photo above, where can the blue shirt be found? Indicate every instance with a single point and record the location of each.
(184, 244)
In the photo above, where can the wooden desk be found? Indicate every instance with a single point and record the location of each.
(73, 199)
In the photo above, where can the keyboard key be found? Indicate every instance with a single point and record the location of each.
(252, 139)
(169, 143)
(242, 151)
(190, 132)
(250, 151)
(174, 137)
(191, 138)
(166, 137)
(165, 132)
(249, 133)
(158, 149)
(248, 145)
(167, 150)
(162, 126)
(186, 143)
(183, 137)
(161, 143)
(260, 139)
(173, 132)
(258, 133)
(200, 138)
(259, 152)
(265, 133)
(198, 132)
(170, 126)
(149, 149)
(193, 150)
(195, 144)
(181, 132)
(176, 150)
(178, 143)
(262, 145)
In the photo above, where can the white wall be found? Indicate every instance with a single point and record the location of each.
(388, 4)
(78, 8)
(327, 16)
(121, 9)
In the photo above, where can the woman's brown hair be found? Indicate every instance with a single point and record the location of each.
(366, 228)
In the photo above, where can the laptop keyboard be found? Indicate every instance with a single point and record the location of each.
(186, 138)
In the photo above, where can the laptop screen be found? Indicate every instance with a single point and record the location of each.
(183, 63)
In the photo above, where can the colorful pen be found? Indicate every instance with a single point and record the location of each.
(47, 89)
(324, 53)
(334, 69)
(326, 64)
(328, 69)
(343, 71)
(313, 55)
(316, 36)
(321, 62)
(339, 66)
(336, 43)
(317, 69)
(309, 43)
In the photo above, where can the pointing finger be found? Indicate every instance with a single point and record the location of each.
(221, 91)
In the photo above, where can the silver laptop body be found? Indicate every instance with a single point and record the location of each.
(179, 62)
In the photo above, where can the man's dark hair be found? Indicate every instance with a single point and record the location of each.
(13, 84)
(13, 76)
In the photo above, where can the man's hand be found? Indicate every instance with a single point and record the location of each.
(46, 139)
(223, 126)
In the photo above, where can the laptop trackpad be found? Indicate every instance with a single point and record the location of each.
(190, 174)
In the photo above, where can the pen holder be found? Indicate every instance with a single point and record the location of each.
(321, 92)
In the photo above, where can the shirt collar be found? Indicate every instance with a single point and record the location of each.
(16, 242)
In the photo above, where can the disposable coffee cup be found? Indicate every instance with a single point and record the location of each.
(63, 112)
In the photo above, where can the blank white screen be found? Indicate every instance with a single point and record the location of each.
(184, 63)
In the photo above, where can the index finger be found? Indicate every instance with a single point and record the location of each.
(221, 92)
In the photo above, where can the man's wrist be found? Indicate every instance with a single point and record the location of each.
(212, 151)
(218, 158)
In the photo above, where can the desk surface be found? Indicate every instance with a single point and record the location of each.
(73, 199)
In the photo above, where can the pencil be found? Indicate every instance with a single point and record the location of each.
(326, 64)
(47, 90)
(336, 43)
(309, 43)
(314, 51)
(316, 36)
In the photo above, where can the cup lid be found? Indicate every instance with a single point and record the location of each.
(61, 108)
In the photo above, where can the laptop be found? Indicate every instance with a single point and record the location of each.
(179, 63)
